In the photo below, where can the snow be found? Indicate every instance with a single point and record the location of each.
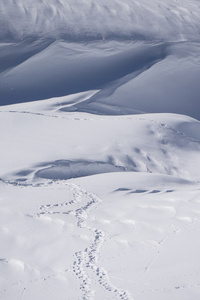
(90, 20)
(99, 150)
(167, 70)
(127, 241)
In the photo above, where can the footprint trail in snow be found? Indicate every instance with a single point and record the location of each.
(85, 266)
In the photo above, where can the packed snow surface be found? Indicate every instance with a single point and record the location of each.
(99, 150)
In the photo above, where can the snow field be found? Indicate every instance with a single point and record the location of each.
(99, 150)
(125, 243)
(116, 234)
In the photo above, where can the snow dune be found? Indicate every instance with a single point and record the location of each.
(141, 56)
(69, 68)
(41, 69)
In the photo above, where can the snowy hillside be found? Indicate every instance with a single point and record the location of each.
(89, 20)
(99, 150)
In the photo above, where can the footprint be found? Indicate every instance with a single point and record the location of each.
(138, 191)
(154, 192)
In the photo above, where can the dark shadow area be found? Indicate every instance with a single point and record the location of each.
(15, 53)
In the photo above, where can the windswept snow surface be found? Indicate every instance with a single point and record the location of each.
(142, 56)
(79, 19)
(99, 150)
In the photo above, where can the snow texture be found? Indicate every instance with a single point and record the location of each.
(99, 150)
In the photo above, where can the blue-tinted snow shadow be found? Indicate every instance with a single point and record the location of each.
(15, 53)
(66, 169)
(41, 69)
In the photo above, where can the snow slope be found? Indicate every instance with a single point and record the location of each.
(98, 207)
(117, 47)
(99, 150)
(89, 20)
(119, 70)
(54, 143)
